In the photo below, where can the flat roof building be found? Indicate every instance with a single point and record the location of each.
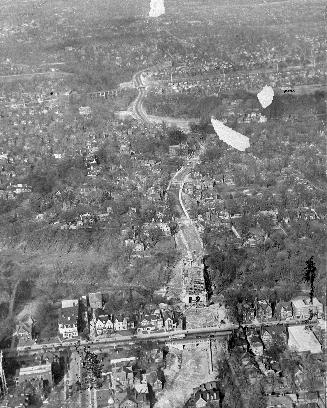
(302, 339)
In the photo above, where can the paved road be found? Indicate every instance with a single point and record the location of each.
(140, 113)
(221, 330)
(48, 74)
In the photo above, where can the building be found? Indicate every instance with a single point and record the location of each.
(168, 321)
(141, 394)
(68, 316)
(248, 313)
(39, 376)
(283, 311)
(120, 323)
(303, 308)
(24, 331)
(150, 323)
(263, 310)
(101, 323)
(302, 339)
(271, 334)
(256, 345)
(128, 402)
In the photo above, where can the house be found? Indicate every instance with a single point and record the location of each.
(252, 373)
(263, 310)
(141, 394)
(102, 397)
(120, 323)
(168, 320)
(119, 377)
(200, 402)
(248, 313)
(308, 397)
(157, 385)
(149, 323)
(303, 308)
(256, 345)
(129, 375)
(101, 323)
(24, 331)
(128, 402)
(67, 321)
(271, 334)
(240, 344)
(283, 311)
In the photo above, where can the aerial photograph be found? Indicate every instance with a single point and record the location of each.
(163, 203)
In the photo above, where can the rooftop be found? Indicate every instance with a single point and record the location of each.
(69, 303)
(301, 302)
(303, 339)
(44, 368)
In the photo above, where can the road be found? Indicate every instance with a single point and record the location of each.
(221, 330)
(189, 235)
(48, 74)
(139, 112)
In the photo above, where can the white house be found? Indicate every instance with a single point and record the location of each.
(120, 323)
(103, 324)
(67, 321)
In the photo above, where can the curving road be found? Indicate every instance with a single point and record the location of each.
(139, 112)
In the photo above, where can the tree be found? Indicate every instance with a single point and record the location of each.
(12, 273)
(276, 348)
(155, 235)
(176, 137)
(174, 228)
(258, 398)
(310, 275)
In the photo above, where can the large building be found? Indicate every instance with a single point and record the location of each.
(302, 339)
(302, 308)
(67, 322)
(39, 375)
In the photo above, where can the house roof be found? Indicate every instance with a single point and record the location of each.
(255, 340)
(151, 377)
(303, 340)
(167, 315)
(68, 315)
(102, 397)
(154, 317)
(141, 388)
(285, 305)
(263, 305)
(274, 330)
(67, 303)
(129, 398)
(120, 318)
(305, 301)
(279, 401)
(104, 318)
